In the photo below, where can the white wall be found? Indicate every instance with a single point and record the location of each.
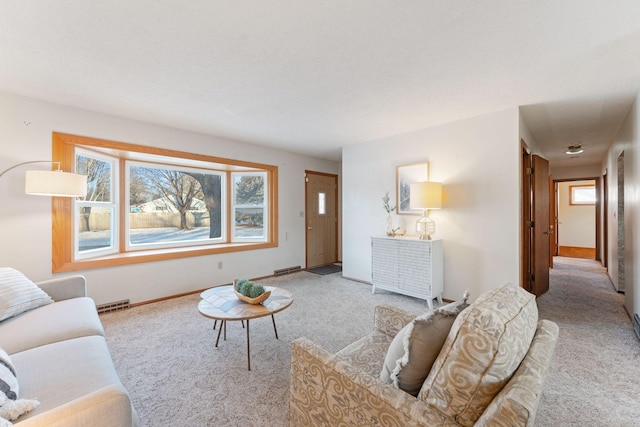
(577, 223)
(627, 140)
(525, 134)
(576, 172)
(25, 221)
(478, 162)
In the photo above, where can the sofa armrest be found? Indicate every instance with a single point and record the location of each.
(64, 288)
(107, 407)
(326, 390)
(389, 320)
(517, 402)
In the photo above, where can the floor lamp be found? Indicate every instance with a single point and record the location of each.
(52, 183)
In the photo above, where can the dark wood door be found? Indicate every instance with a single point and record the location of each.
(553, 220)
(541, 231)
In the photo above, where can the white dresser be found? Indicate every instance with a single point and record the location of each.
(408, 266)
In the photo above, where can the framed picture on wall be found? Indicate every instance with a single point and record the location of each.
(405, 176)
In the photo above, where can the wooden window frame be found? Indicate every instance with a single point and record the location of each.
(571, 201)
(63, 151)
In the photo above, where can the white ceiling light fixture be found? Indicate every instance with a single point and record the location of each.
(574, 149)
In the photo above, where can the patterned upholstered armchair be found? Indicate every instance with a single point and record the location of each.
(489, 371)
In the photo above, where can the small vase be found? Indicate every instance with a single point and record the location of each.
(389, 230)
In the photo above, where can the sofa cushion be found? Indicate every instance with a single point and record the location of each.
(68, 371)
(367, 353)
(414, 349)
(19, 294)
(62, 320)
(486, 344)
(11, 407)
(517, 402)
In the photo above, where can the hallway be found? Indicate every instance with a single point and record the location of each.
(594, 376)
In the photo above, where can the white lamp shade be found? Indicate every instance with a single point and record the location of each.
(55, 183)
(425, 195)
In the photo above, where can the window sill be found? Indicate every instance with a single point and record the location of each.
(138, 257)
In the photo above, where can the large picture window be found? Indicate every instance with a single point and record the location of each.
(147, 204)
(170, 206)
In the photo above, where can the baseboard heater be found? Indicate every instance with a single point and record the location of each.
(287, 270)
(636, 324)
(113, 306)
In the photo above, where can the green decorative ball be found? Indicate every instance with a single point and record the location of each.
(256, 290)
(249, 289)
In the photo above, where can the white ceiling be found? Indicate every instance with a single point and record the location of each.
(314, 76)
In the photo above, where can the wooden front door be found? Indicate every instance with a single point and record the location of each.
(321, 219)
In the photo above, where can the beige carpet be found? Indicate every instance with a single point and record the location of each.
(594, 379)
(165, 353)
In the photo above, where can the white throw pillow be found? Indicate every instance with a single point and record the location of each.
(19, 294)
(10, 406)
(417, 345)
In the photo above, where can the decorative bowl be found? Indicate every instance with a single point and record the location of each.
(257, 300)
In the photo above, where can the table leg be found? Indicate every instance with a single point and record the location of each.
(224, 323)
(274, 325)
(219, 332)
(248, 348)
(215, 323)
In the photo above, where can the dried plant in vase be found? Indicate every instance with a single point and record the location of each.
(388, 208)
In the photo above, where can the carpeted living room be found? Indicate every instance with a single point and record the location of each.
(166, 356)
(273, 213)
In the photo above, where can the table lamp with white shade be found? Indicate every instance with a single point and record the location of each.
(425, 196)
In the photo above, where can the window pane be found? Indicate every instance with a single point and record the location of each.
(322, 204)
(94, 228)
(170, 205)
(249, 209)
(249, 222)
(98, 174)
(583, 195)
(249, 190)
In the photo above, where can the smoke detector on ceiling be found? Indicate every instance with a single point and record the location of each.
(574, 149)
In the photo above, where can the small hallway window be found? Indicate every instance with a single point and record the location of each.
(582, 194)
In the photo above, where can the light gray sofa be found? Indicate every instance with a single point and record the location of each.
(489, 371)
(62, 360)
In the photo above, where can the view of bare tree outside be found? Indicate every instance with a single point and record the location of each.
(94, 209)
(212, 189)
(175, 188)
(249, 205)
(169, 205)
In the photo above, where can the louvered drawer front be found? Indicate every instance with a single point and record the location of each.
(407, 266)
(384, 271)
(414, 266)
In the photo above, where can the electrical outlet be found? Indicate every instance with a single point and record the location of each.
(219, 265)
